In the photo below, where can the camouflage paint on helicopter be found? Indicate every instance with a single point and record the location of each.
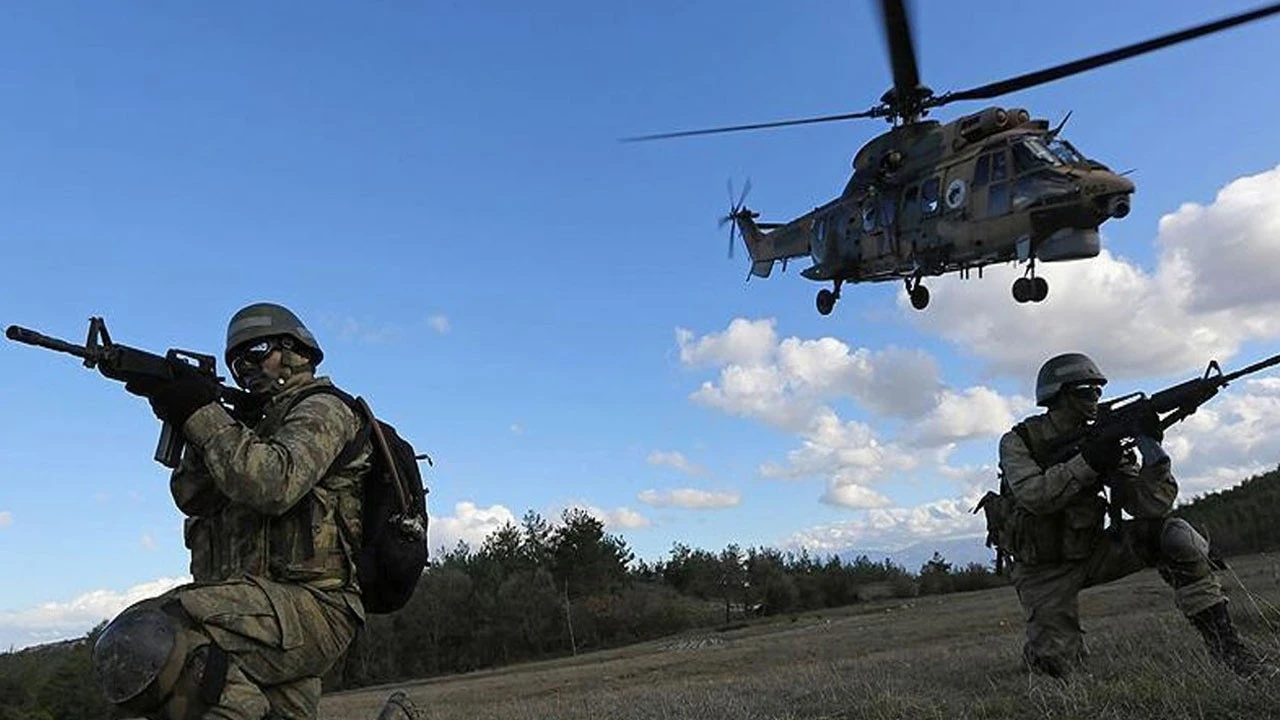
(931, 198)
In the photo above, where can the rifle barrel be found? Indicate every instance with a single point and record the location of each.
(31, 337)
(1273, 360)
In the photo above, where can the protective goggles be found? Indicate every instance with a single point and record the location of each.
(1086, 392)
(251, 356)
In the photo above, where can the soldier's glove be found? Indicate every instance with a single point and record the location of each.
(173, 401)
(1103, 453)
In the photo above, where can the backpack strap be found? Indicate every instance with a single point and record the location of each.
(369, 430)
(352, 448)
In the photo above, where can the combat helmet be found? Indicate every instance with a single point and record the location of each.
(265, 320)
(1063, 370)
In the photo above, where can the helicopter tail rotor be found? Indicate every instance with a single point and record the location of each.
(736, 210)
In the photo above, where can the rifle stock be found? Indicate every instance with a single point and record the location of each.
(124, 363)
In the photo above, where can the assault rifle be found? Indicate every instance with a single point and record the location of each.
(1125, 417)
(124, 363)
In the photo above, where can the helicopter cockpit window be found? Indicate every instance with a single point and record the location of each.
(1066, 152)
(1031, 154)
(929, 196)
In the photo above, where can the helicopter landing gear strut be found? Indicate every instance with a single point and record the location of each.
(918, 293)
(827, 299)
(1030, 288)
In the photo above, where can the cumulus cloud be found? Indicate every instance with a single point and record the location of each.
(790, 384)
(677, 460)
(622, 518)
(893, 528)
(6, 518)
(55, 621)
(1213, 289)
(690, 499)
(468, 523)
(439, 323)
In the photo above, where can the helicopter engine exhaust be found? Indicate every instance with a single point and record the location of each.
(1118, 206)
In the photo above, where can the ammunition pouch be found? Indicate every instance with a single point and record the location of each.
(1070, 534)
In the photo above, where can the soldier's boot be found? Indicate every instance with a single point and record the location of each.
(399, 707)
(1226, 647)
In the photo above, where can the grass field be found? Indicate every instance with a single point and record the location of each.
(947, 657)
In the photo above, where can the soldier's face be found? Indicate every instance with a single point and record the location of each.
(1083, 400)
(258, 368)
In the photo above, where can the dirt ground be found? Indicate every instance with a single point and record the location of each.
(951, 656)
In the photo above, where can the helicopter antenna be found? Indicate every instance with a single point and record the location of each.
(1054, 132)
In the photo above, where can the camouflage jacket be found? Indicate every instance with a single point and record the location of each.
(262, 501)
(1144, 491)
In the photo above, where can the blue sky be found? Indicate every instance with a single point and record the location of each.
(438, 190)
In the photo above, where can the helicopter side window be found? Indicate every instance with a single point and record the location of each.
(998, 199)
(999, 166)
(982, 171)
(929, 196)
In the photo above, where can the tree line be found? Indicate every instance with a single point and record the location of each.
(542, 589)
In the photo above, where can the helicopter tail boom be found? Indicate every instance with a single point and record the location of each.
(781, 242)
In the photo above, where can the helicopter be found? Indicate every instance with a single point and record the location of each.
(928, 198)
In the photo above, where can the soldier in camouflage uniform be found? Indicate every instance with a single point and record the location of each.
(1054, 529)
(272, 528)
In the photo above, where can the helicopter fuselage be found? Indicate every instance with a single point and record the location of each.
(928, 198)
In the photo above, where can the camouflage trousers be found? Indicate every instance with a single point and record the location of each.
(1049, 592)
(279, 640)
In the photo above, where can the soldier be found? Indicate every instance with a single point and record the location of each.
(1054, 529)
(273, 521)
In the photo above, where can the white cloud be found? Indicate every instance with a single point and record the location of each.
(622, 518)
(677, 460)
(54, 621)
(745, 342)
(468, 523)
(1212, 290)
(690, 499)
(975, 413)
(6, 518)
(791, 385)
(439, 323)
(890, 529)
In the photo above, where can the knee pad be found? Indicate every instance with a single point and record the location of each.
(1180, 543)
(145, 654)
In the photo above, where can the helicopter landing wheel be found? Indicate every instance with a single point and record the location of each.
(919, 297)
(1030, 289)
(1039, 289)
(826, 301)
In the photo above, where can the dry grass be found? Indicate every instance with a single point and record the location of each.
(952, 657)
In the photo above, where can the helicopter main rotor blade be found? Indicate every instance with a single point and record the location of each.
(1057, 72)
(874, 112)
(902, 53)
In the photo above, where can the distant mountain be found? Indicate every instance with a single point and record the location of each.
(957, 551)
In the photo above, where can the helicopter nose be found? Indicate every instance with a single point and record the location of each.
(1118, 206)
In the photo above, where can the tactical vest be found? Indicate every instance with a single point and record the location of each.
(1070, 534)
(314, 542)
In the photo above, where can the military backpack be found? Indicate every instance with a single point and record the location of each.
(393, 541)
